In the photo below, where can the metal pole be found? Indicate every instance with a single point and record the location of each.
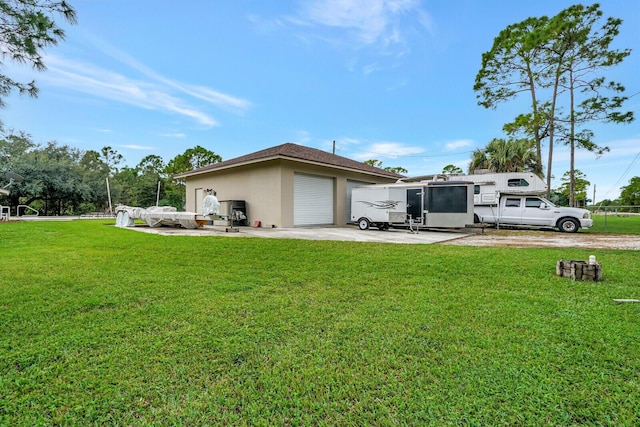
(109, 195)
(158, 194)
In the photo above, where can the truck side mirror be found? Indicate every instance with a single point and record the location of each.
(543, 205)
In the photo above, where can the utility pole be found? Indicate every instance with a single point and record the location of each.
(109, 194)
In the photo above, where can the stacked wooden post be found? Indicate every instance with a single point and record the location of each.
(579, 270)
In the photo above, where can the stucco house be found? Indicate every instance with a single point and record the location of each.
(288, 185)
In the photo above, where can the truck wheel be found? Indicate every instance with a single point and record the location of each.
(568, 225)
(363, 223)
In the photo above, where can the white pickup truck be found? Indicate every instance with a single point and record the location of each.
(533, 211)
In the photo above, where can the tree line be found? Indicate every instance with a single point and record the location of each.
(62, 180)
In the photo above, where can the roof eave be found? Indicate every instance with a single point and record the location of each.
(202, 171)
(208, 169)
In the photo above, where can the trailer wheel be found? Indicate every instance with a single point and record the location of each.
(363, 224)
(568, 225)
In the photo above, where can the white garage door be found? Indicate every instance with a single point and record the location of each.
(350, 186)
(312, 200)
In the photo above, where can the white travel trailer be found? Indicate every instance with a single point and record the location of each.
(444, 204)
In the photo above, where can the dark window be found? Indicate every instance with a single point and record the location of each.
(476, 189)
(517, 183)
(447, 199)
(512, 203)
(533, 202)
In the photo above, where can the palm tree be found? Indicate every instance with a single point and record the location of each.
(500, 155)
(478, 160)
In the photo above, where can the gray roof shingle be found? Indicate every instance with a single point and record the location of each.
(295, 152)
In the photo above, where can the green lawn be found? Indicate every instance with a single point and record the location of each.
(612, 223)
(100, 325)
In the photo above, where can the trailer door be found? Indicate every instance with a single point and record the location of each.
(414, 204)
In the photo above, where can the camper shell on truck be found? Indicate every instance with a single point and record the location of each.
(445, 204)
(489, 186)
(515, 199)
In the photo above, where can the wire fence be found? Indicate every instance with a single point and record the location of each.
(616, 219)
(614, 210)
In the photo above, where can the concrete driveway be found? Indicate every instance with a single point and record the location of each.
(347, 233)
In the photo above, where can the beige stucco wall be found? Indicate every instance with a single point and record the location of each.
(258, 185)
(267, 188)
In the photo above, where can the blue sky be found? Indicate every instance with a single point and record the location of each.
(385, 79)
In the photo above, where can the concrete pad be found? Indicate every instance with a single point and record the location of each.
(347, 233)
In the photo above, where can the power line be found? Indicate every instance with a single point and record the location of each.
(421, 156)
(624, 174)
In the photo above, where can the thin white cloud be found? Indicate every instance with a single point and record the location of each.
(149, 89)
(222, 100)
(426, 21)
(343, 143)
(458, 144)
(264, 26)
(368, 69)
(395, 149)
(349, 141)
(137, 147)
(199, 116)
(101, 83)
(623, 147)
(173, 135)
(204, 93)
(382, 150)
(369, 22)
(620, 152)
(302, 137)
